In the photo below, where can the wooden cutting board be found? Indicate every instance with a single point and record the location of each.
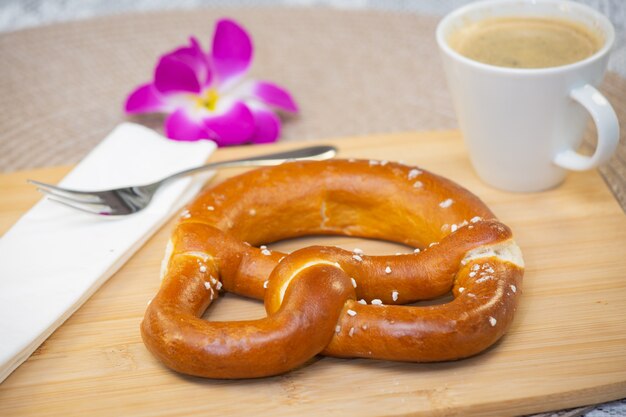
(567, 345)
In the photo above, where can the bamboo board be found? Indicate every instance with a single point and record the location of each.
(566, 348)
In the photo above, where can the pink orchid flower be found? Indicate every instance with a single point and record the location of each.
(206, 97)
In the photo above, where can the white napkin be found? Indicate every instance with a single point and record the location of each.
(54, 258)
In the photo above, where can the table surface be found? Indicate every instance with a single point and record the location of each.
(352, 72)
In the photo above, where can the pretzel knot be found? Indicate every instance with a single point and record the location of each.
(325, 299)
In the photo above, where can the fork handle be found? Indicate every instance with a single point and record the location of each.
(309, 153)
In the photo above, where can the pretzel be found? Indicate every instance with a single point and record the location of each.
(325, 299)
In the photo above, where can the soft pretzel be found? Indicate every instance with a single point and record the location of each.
(325, 299)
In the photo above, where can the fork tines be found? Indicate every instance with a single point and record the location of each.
(79, 200)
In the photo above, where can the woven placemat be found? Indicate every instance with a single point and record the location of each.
(353, 73)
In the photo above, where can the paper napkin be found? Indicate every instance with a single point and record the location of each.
(54, 258)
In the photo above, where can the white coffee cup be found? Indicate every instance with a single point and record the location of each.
(522, 127)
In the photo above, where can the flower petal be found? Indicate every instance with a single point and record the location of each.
(179, 126)
(273, 95)
(234, 126)
(144, 99)
(174, 75)
(196, 58)
(232, 51)
(267, 125)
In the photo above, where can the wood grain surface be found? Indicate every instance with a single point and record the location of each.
(566, 348)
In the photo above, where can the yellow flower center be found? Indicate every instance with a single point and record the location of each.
(208, 100)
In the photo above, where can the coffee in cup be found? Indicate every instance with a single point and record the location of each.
(525, 42)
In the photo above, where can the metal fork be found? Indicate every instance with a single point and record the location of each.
(128, 200)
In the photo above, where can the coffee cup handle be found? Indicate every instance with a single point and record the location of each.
(607, 127)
